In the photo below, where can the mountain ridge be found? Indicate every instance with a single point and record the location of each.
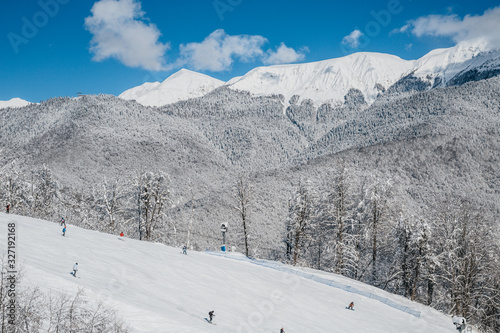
(13, 103)
(329, 81)
(181, 85)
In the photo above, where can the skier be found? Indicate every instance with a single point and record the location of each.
(211, 315)
(7, 208)
(351, 306)
(460, 323)
(63, 222)
(64, 231)
(121, 234)
(282, 330)
(75, 269)
(184, 249)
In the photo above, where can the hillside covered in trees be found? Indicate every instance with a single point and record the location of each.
(403, 194)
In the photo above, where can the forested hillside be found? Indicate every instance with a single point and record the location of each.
(403, 194)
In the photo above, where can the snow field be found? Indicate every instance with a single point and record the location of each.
(157, 289)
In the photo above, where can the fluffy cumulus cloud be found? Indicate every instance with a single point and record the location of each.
(119, 31)
(283, 55)
(352, 39)
(218, 51)
(470, 27)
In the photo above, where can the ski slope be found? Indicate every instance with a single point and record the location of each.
(157, 289)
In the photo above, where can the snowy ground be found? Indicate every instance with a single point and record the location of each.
(157, 289)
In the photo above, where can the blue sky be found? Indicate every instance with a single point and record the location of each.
(62, 47)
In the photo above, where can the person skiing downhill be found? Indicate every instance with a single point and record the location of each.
(184, 249)
(75, 269)
(282, 330)
(460, 323)
(63, 222)
(211, 315)
(64, 231)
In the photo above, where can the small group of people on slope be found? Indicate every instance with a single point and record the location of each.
(63, 224)
(282, 330)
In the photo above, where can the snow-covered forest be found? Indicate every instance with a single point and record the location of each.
(402, 194)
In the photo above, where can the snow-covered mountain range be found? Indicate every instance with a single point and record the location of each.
(181, 85)
(329, 81)
(417, 146)
(13, 103)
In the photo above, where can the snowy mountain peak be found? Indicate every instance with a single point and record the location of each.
(181, 85)
(183, 72)
(446, 63)
(14, 103)
(327, 80)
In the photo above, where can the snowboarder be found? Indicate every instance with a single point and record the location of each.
(282, 330)
(211, 315)
(64, 231)
(184, 249)
(7, 208)
(75, 269)
(351, 306)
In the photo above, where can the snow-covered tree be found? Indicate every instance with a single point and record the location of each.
(242, 197)
(109, 196)
(298, 226)
(14, 189)
(45, 193)
(152, 194)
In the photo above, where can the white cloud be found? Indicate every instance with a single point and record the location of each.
(218, 51)
(283, 55)
(119, 31)
(471, 27)
(352, 39)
